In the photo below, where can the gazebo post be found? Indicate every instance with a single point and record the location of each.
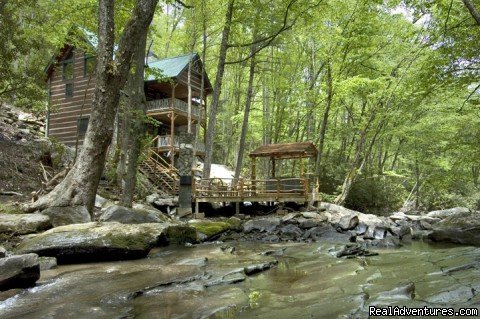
(302, 173)
(252, 168)
(253, 173)
(273, 167)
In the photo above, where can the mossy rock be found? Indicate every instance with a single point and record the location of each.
(9, 209)
(212, 228)
(102, 241)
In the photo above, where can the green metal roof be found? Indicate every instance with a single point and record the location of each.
(170, 67)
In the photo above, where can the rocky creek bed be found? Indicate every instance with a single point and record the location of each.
(218, 280)
(328, 263)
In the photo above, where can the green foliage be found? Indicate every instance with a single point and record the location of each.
(22, 50)
(402, 78)
(377, 195)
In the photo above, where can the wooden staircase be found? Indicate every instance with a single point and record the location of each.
(162, 174)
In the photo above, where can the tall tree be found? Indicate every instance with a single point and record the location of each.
(80, 185)
(210, 135)
(246, 115)
(137, 103)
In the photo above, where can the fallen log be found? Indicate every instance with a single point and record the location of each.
(10, 193)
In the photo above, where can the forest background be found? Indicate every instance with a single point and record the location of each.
(387, 90)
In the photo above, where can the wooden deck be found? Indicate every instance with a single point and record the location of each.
(268, 190)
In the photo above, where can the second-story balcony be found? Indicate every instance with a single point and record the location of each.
(178, 106)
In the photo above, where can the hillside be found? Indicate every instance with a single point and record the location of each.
(27, 158)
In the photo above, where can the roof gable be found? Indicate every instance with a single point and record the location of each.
(286, 150)
(170, 67)
(176, 67)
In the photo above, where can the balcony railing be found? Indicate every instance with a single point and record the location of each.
(178, 105)
(165, 142)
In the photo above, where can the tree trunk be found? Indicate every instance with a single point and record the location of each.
(473, 10)
(124, 138)
(358, 160)
(352, 173)
(323, 127)
(248, 103)
(216, 91)
(137, 103)
(475, 175)
(80, 185)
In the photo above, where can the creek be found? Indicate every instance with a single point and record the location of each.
(208, 281)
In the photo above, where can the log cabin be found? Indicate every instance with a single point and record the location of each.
(71, 84)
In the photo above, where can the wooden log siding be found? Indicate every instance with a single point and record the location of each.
(196, 81)
(66, 111)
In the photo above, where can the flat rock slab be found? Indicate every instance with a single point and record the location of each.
(97, 241)
(460, 228)
(444, 213)
(21, 224)
(19, 271)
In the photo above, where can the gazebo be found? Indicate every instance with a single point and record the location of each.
(271, 189)
(283, 151)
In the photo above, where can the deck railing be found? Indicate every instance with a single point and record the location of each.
(245, 188)
(176, 105)
(165, 142)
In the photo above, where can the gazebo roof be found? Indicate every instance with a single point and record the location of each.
(286, 150)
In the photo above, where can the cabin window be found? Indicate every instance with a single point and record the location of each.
(89, 65)
(82, 125)
(68, 67)
(68, 89)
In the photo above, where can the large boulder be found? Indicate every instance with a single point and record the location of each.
(368, 225)
(126, 215)
(19, 271)
(23, 223)
(334, 213)
(400, 217)
(101, 202)
(67, 215)
(372, 227)
(162, 200)
(461, 228)
(101, 241)
(267, 224)
(444, 213)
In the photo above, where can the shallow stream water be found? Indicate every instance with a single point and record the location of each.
(205, 281)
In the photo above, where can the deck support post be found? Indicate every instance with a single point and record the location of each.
(172, 138)
(237, 208)
(172, 126)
